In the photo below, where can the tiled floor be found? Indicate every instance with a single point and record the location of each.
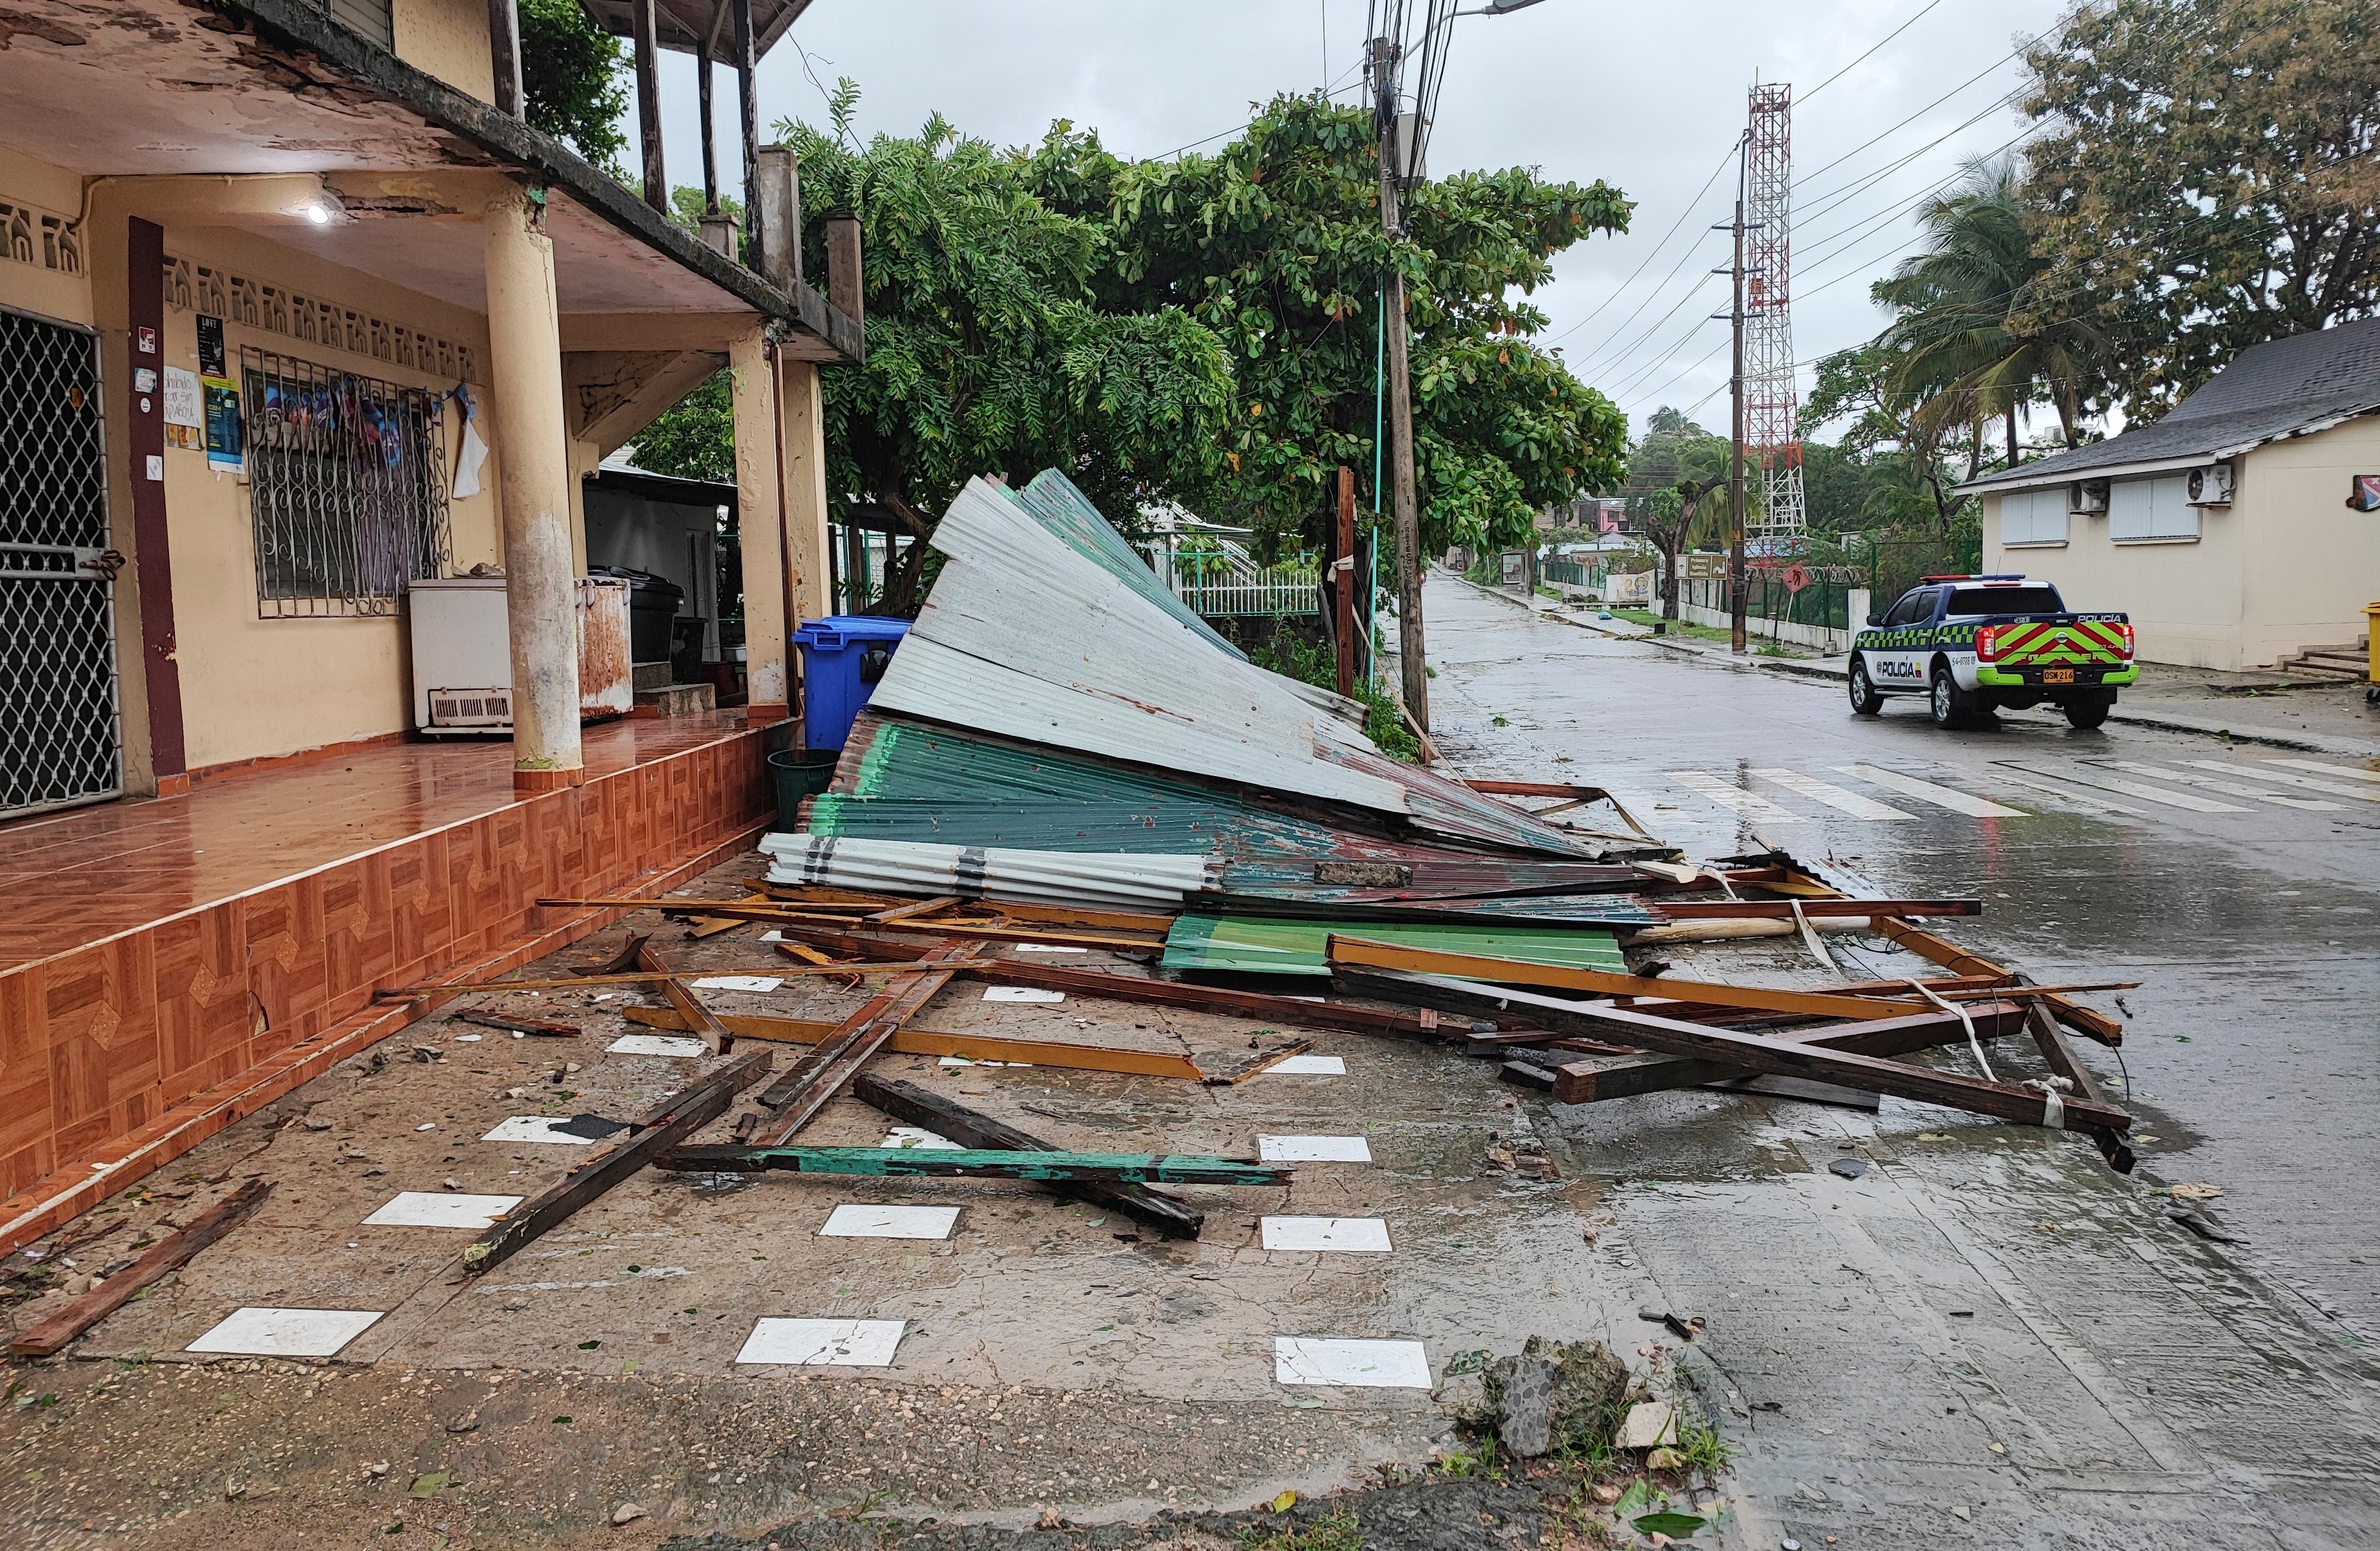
(154, 952)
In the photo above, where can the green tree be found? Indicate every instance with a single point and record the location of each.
(2210, 178)
(695, 439)
(1677, 485)
(1274, 244)
(572, 82)
(1975, 334)
(989, 349)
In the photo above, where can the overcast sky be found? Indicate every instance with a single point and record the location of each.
(1649, 97)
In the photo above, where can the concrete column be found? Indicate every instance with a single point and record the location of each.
(532, 442)
(810, 538)
(756, 518)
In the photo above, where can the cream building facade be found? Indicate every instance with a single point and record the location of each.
(310, 230)
(2233, 531)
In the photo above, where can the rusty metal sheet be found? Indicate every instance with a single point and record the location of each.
(607, 684)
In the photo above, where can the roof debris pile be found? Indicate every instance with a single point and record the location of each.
(1062, 759)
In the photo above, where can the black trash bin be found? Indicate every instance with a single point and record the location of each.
(654, 602)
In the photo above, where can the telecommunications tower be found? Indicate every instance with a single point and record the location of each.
(1775, 518)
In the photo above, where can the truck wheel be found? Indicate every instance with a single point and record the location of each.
(1951, 705)
(1866, 701)
(2085, 711)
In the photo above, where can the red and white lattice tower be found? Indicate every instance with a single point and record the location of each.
(1775, 517)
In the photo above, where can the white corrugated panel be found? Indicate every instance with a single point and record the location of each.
(1025, 637)
(1118, 879)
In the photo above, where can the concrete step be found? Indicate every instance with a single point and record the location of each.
(676, 700)
(2347, 664)
(654, 676)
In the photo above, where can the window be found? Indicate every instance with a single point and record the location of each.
(2021, 600)
(1912, 608)
(2033, 516)
(346, 487)
(2152, 509)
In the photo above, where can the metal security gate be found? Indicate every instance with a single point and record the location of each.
(60, 734)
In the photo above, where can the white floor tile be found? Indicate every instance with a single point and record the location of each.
(537, 1128)
(1308, 1066)
(963, 1061)
(441, 1209)
(1314, 1149)
(285, 1332)
(738, 983)
(1367, 1365)
(814, 1343)
(1047, 948)
(656, 1044)
(917, 1136)
(1362, 1236)
(851, 1221)
(1021, 994)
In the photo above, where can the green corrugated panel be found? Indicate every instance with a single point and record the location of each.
(1270, 945)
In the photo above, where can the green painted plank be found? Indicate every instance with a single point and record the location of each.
(1132, 1169)
(1279, 945)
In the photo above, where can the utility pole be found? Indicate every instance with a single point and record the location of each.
(1736, 600)
(1414, 673)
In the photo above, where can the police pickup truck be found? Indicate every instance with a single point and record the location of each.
(1973, 644)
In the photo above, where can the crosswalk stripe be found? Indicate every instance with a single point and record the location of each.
(2307, 782)
(1833, 796)
(2133, 788)
(2229, 789)
(2088, 804)
(1926, 791)
(2329, 769)
(1752, 805)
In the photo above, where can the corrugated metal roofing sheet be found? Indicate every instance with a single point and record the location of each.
(1107, 879)
(1257, 945)
(1066, 512)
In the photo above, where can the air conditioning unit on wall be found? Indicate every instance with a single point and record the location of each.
(2211, 486)
(2087, 497)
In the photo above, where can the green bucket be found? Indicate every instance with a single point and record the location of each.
(799, 773)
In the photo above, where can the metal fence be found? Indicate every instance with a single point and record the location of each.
(59, 733)
(346, 487)
(1215, 574)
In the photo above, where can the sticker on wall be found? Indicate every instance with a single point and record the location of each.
(186, 411)
(2365, 497)
(223, 426)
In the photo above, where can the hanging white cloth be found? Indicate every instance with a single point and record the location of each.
(473, 453)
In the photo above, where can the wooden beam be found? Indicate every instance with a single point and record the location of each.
(819, 896)
(1759, 1053)
(699, 1017)
(1262, 1061)
(835, 1060)
(536, 1026)
(1136, 1168)
(81, 1314)
(907, 1101)
(702, 1102)
(1356, 952)
(1580, 1083)
(645, 27)
(1949, 955)
(2062, 1060)
(910, 1041)
(915, 907)
(635, 977)
(712, 925)
(1007, 934)
(1782, 909)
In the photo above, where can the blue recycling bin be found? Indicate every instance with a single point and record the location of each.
(843, 657)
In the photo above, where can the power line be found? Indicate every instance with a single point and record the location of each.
(1872, 48)
(1620, 290)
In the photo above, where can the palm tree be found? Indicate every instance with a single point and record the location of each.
(1980, 335)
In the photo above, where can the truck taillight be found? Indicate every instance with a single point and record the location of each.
(1986, 643)
(2127, 629)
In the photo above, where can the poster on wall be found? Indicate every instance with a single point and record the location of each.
(210, 348)
(223, 426)
(185, 410)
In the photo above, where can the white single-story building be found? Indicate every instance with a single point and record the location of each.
(2239, 530)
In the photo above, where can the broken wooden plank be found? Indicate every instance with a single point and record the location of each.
(2052, 1041)
(620, 963)
(1017, 933)
(911, 1040)
(1782, 909)
(907, 1101)
(835, 1060)
(634, 977)
(1356, 952)
(819, 896)
(916, 906)
(712, 925)
(536, 1026)
(700, 1019)
(1786, 1058)
(1136, 1168)
(702, 1102)
(1262, 1061)
(1889, 1037)
(79, 1314)
(1951, 957)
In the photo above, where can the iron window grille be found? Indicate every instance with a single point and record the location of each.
(346, 487)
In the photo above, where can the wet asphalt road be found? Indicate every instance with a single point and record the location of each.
(2090, 1373)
